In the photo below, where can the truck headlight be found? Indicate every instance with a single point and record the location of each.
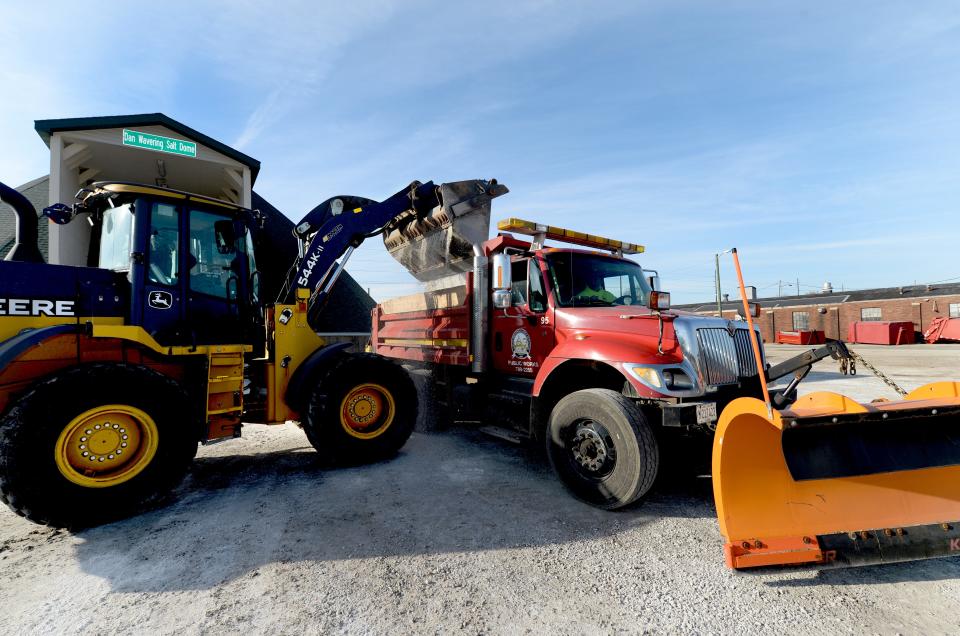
(648, 376)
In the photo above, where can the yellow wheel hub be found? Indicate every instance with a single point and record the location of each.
(106, 445)
(367, 411)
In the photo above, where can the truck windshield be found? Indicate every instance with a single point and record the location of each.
(593, 280)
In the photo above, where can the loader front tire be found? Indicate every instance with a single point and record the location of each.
(363, 410)
(94, 444)
(602, 448)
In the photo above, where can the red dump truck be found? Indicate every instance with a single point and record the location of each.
(573, 348)
(578, 350)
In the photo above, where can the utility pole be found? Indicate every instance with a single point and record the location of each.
(717, 279)
(798, 287)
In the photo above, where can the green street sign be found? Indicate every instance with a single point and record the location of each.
(161, 144)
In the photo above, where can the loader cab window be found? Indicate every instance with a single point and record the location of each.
(116, 238)
(216, 253)
(251, 266)
(164, 249)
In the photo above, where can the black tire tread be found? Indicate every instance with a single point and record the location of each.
(646, 440)
(321, 421)
(25, 499)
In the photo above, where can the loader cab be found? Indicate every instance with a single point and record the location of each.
(189, 261)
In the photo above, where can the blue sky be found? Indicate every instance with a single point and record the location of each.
(823, 140)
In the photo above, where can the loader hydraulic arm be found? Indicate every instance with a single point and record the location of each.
(428, 229)
(336, 227)
(800, 366)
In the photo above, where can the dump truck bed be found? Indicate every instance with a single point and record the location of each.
(431, 326)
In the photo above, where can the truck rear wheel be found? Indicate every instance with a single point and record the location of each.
(363, 410)
(602, 448)
(93, 444)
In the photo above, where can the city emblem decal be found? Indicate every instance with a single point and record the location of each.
(520, 344)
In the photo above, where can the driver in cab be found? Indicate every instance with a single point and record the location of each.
(592, 290)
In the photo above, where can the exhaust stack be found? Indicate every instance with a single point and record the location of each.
(25, 247)
(440, 242)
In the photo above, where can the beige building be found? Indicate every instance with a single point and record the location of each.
(158, 150)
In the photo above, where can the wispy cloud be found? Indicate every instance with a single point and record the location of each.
(817, 142)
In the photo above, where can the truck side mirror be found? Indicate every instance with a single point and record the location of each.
(654, 282)
(502, 298)
(502, 272)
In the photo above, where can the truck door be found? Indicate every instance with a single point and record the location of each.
(523, 335)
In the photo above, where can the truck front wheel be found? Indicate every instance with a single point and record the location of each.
(363, 410)
(602, 448)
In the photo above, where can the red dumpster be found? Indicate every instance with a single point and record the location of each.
(803, 337)
(943, 330)
(880, 332)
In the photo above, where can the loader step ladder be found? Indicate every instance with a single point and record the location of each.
(224, 395)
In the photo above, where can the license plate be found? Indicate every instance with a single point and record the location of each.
(706, 412)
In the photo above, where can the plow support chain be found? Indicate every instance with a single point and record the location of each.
(835, 482)
(437, 243)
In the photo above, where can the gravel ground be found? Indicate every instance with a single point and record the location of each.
(460, 533)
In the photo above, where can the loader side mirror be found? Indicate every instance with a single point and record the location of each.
(654, 282)
(754, 309)
(226, 236)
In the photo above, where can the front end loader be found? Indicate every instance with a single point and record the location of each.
(112, 373)
(827, 480)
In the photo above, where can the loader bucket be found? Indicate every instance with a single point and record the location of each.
(439, 242)
(835, 482)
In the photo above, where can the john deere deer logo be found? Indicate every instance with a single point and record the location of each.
(160, 300)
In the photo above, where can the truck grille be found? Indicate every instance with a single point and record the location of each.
(725, 359)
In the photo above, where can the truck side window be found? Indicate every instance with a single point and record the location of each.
(538, 297)
(164, 245)
(518, 290)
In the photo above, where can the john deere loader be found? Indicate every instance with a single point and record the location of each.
(111, 374)
(827, 480)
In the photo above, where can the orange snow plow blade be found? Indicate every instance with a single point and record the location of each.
(835, 482)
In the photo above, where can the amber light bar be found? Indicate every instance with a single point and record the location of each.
(531, 228)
